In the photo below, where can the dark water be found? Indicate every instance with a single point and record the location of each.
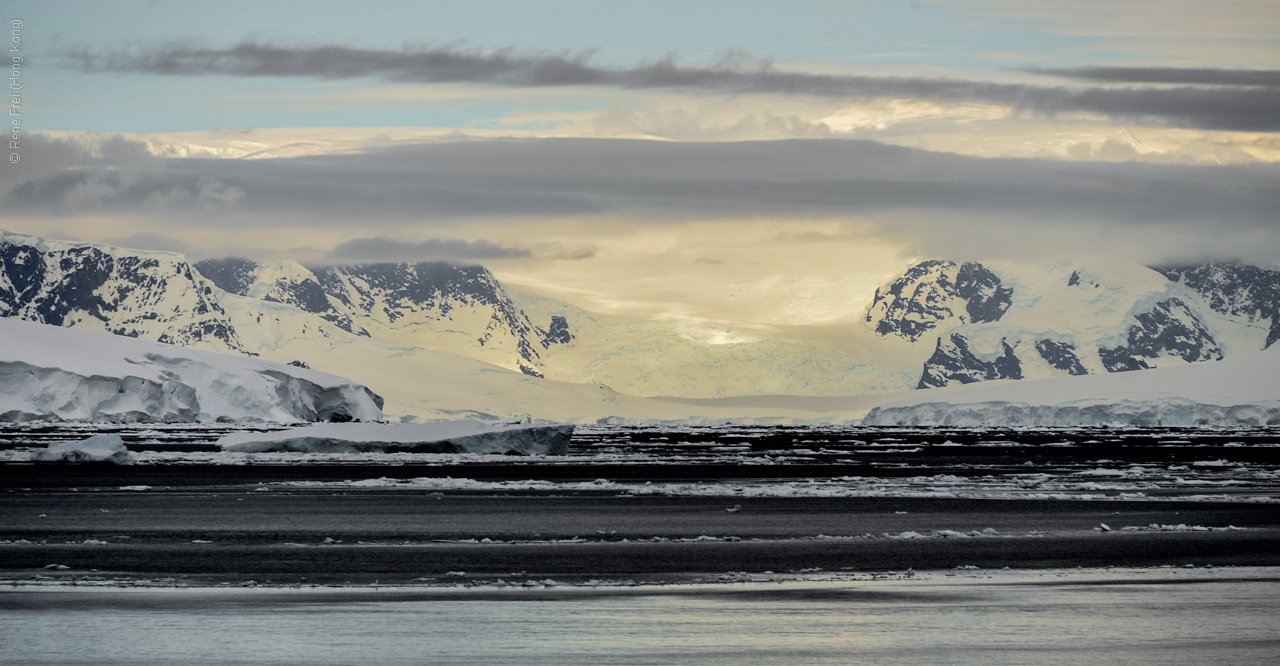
(1142, 617)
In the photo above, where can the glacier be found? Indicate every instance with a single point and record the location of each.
(483, 437)
(55, 373)
(1239, 390)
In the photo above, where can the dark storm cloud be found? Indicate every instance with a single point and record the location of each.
(438, 182)
(1239, 108)
(1169, 75)
(386, 249)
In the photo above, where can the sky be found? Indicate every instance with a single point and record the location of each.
(750, 163)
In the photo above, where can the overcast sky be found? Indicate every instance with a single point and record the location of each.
(655, 158)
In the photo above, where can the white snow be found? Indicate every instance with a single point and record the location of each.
(55, 373)
(483, 437)
(99, 448)
(1239, 390)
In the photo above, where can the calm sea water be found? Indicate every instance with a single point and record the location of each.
(1164, 618)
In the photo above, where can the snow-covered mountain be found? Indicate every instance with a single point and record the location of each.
(457, 308)
(1026, 322)
(1247, 292)
(151, 295)
(438, 340)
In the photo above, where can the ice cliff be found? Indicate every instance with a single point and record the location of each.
(55, 373)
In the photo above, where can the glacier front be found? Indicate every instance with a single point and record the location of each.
(55, 373)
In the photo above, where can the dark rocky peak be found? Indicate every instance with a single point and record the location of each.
(1078, 280)
(1170, 328)
(1061, 356)
(234, 276)
(933, 291)
(305, 294)
(986, 299)
(953, 361)
(1236, 290)
(557, 333)
(1119, 359)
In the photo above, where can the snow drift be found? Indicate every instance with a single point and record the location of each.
(1241, 390)
(54, 373)
(500, 437)
(99, 448)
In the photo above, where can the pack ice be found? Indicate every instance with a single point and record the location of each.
(55, 373)
(1241, 390)
(492, 437)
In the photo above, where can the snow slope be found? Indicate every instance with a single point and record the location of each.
(1243, 389)
(56, 373)
(461, 309)
(700, 360)
(430, 384)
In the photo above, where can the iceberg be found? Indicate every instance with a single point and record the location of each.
(99, 448)
(55, 373)
(491, 437)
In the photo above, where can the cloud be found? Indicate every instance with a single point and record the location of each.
(922, 198)
(1169, 75)
(382, 249)
(1238, 108)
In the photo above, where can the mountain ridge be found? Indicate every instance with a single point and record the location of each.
(940, 323)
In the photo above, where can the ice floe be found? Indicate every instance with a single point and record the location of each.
(475, 437)
(99, 448)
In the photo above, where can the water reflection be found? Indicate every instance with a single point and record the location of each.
(1043, 618)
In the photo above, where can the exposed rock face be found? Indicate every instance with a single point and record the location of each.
(233, 276)
(150, 295)
(1232, 289)
(1118, 359)
(1061, 355)
(935, 291)
(557, 333)
(952, 360)
(1168, 329)
(364, 299)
